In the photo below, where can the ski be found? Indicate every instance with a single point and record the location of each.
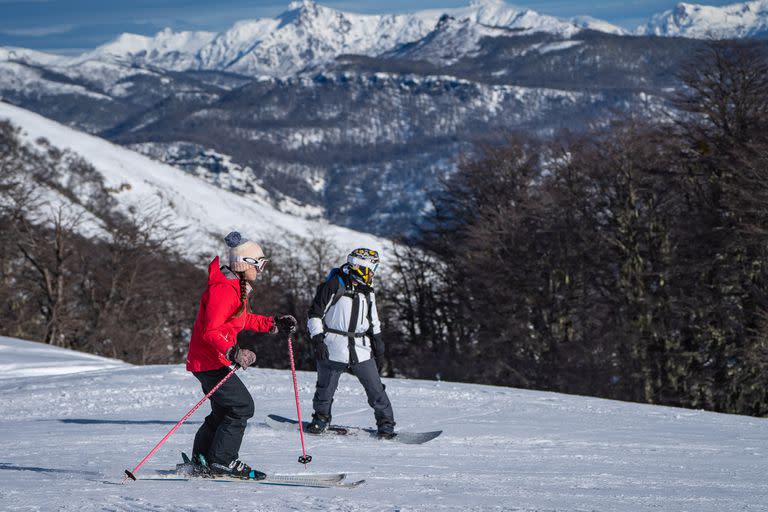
(281, 480)
(282, 423)
(187, 471)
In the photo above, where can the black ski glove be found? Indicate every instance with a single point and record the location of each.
(321, 349)
(378, 347)
(285, 323)
(241, 356)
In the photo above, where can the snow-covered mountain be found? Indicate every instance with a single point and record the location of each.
(308, 35)
(397, 122)
(305, 37)
(8, 53)
(203, 210)
(738, 20)
(67, 437)
(389, 99)
(167, 49)
(451, 40)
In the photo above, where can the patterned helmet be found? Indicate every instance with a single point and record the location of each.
(363, 264)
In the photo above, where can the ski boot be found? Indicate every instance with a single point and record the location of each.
(320, 423)
(236, 469)
(200, 466)
(195, 467)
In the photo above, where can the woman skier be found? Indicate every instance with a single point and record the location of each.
(346, 334)
(223, 313)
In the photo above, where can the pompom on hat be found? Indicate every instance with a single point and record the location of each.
(240, 248)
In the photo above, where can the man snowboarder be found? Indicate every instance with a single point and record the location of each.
(346, 334)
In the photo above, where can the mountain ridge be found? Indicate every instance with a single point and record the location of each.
(308, 35)
(732, 21)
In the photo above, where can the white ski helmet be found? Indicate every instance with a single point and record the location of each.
(363, 264)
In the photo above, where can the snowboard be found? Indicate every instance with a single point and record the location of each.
(282, 423)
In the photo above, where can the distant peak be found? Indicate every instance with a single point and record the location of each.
(295, 5)
(445, 19)
(486, 3)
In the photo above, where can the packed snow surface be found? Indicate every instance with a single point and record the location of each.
(65, 440)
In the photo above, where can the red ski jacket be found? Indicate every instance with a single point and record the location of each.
(215, 330)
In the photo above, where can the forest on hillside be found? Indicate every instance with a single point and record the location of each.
(629, 261)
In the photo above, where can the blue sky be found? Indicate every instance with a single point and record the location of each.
(71, 26)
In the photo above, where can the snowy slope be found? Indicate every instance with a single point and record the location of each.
(205, 212)
(66, 439)
(738, 20)
(19, 359)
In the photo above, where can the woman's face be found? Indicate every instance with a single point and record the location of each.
(251, 273)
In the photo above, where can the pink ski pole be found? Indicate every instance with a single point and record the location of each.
(130, 474)
(304, 458)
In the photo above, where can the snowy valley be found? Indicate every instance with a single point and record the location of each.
(313, 102)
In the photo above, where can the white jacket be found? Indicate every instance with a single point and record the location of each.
(325, 316)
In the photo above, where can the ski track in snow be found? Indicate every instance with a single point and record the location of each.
(65, 439)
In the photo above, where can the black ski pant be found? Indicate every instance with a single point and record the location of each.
(328, 374)
(221, 434)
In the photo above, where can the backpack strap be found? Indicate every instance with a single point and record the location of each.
(351, 337)
(340, 291)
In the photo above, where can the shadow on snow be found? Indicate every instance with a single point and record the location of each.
(92, 421)
(10, 467)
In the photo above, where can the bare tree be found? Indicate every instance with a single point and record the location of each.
(50, 258)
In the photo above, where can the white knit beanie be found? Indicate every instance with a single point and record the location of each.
(240, 248)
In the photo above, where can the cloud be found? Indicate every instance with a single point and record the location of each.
(39, 31)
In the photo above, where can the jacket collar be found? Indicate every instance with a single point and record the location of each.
(215, 275)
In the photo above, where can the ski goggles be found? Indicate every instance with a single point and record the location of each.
(366, 252)
(364, 264)
(259, 263)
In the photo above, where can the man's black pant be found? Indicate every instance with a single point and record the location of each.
(328, 374)
(221, 434)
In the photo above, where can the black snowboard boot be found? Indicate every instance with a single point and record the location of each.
(236, 469)
(320, 423)
(386, 430)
